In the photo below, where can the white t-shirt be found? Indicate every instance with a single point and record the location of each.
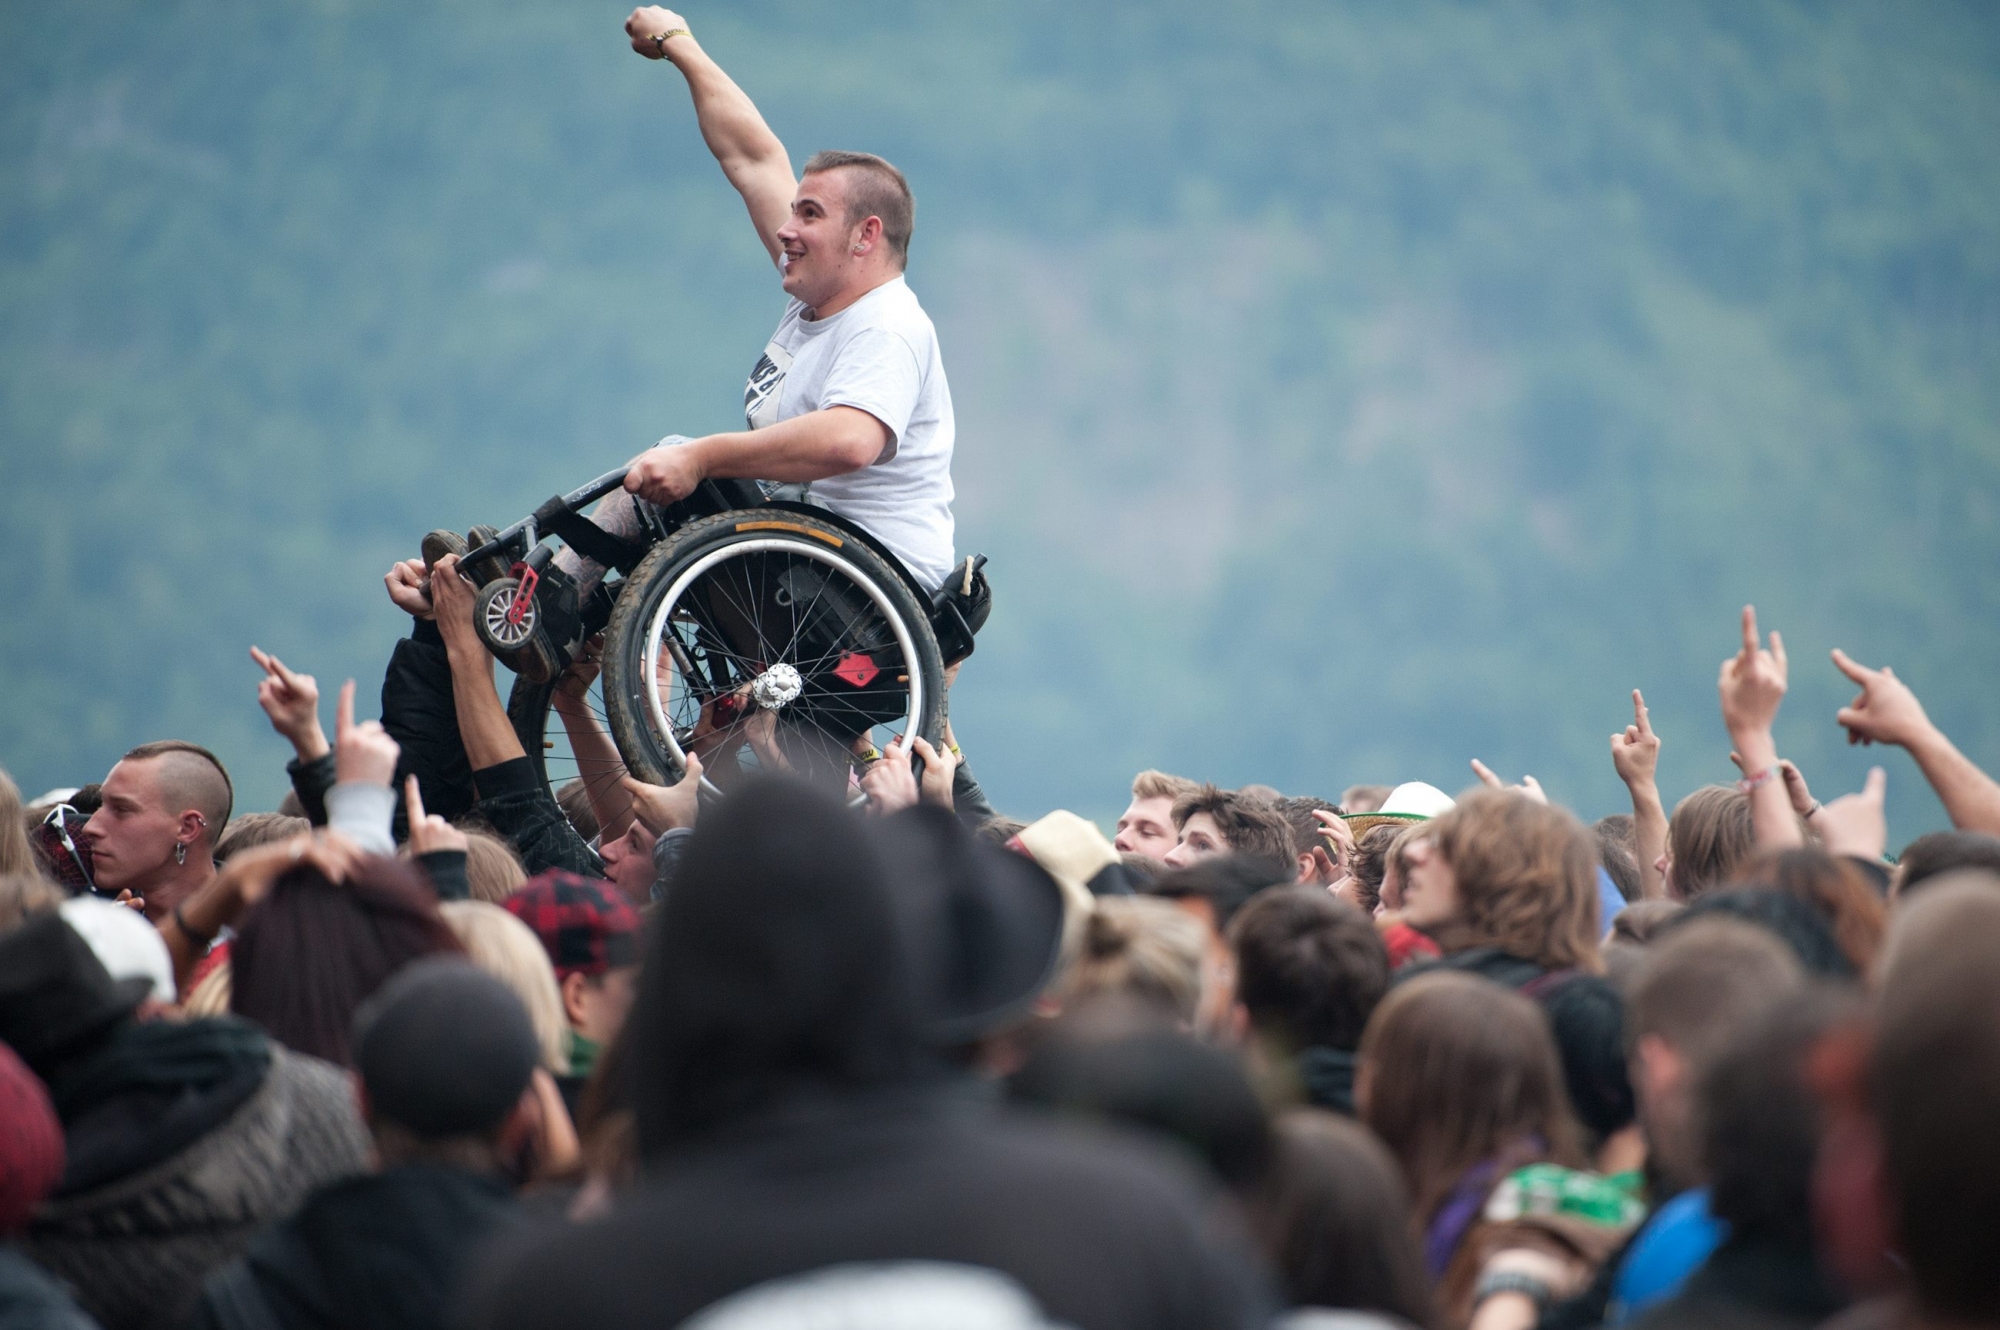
(879, 355)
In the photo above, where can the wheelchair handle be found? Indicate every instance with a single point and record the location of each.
(571, 501)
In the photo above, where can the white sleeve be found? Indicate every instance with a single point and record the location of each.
(363, 813)
(876, 371)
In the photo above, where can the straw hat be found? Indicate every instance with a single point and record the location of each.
(1412, 801)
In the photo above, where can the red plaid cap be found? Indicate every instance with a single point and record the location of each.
(585, 924)
(31, 1143)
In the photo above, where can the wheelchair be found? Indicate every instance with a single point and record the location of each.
(749, 630)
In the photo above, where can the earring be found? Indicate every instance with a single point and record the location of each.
(180, 852)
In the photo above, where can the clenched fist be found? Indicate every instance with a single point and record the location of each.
(647, 28)
(667, 474)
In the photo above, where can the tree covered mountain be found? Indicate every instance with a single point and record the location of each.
(1344, 391)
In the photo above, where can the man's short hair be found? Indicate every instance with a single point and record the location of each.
(1935, 1081)
(1943, 851)
(1309, 968)
(191, 777)
(1616, 850)
(1151, 784)
(255, 829)
(874, 189)
(1250, 826)
(1297, 810)
(1698, 983)
(1761, 1120)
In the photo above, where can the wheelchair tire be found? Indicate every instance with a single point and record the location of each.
(772, 603)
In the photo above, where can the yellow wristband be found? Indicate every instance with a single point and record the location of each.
(660, 39)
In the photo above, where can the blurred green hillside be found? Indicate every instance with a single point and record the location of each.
(1344, 391)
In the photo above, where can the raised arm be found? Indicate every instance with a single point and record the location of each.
(1752, 685)
(1636, 756)
(1888, 712)
(749, 153)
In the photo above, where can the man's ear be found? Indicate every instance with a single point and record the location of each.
(1316, 865)
(868, 235)
(574, 986)
(1659, 1066)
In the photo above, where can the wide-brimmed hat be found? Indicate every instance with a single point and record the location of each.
(55, 993)
(982, 927)
(1412, 801)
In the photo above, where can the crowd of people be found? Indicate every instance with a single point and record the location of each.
(434, 1044)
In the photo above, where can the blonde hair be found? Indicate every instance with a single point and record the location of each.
(508, 949)
(493, 872)
(1143, 948)
(16, 856)
(1159, 785)
(211, 996)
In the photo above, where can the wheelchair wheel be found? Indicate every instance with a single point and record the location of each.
(761, 637)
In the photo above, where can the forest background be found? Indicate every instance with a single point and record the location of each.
(1344, 391)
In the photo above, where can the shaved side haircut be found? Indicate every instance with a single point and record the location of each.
(190, 777)
(874, 189)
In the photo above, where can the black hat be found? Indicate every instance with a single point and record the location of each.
(983, 926)
(55, 993)
(444, 1048)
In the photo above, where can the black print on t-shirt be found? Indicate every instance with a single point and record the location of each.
(765, 380)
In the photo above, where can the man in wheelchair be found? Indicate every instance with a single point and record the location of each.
(847, 412)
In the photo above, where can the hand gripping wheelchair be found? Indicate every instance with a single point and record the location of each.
(748, 630)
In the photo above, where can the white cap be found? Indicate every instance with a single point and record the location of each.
(129, 947)
(1415, 798)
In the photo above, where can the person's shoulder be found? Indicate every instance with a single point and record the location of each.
(894, 307)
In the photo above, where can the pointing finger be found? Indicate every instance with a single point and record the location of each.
(1851, 667)
(1750, 629)
(343, 714)
(1485, 774)
(1876, 786)
(1639, 710)
(413, 800)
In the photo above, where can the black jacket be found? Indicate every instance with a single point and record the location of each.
(1749, 1284)
(910, 1193)
(385, 1250)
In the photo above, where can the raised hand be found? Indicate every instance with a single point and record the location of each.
(573, 684)
(1886, 711)
(1752, 684)
(362, 753)
(292, 702)
(1855, 823)
(1333, 827)
(1635, 754)
(408, 588)
(940, 765)
(428, 831)
(647, 27)
(453, 596)
(889, 783)
(665, 807)
(1529, 786)
(761, 730)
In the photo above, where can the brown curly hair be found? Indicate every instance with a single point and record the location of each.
(1527, 879)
